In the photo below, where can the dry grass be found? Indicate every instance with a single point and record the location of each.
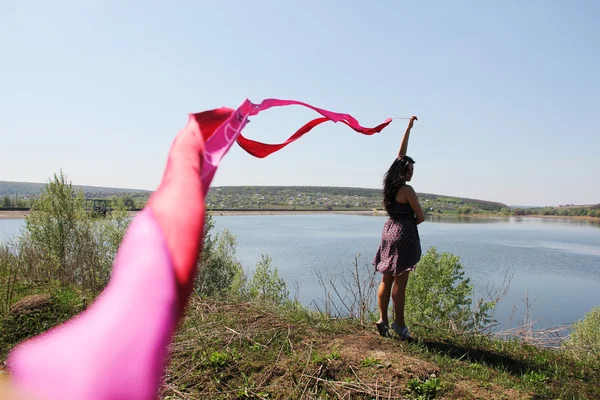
(232, 350)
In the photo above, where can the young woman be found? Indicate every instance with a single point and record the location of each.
(400, 248)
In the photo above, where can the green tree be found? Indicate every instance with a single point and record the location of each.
(128, 202)
(6, 202)
(21, 203)
(219, 272)
(110, 231)
(266, 285)
(52, 225)
(438, 294)
(68, 245)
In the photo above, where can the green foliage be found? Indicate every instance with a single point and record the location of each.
(464, 210)
(585, 335)
(64, 243)
(370, 362)
(219, 360)
(14, 201)
(562, 211)
(16, 327)
(450, 199)
(266, 285)
(108, 233)
(128, 202)
(438, 294)
(535, 377)
(326, 358)
(63, 252)
(423, 390)
(61, 249)
(52, 226)
(33, 189)
(219, 272)
(325, 198)
(114, 226)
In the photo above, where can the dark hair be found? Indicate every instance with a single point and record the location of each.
(394, 179)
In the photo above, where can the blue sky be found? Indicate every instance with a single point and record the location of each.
(507, 93)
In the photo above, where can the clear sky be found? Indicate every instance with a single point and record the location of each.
(507, 92)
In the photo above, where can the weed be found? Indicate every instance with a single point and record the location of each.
(423, 389)
(371, 362)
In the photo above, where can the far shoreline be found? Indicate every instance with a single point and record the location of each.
(21, 214)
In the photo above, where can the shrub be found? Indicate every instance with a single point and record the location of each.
(62, 256)
(438, 294)
(266, 285)
(52, 227)
(585, 334)
(64, 243)
(219, 272)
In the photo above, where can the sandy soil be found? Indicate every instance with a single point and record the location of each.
(13, 214)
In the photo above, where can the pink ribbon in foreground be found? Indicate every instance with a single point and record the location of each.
(117, 348)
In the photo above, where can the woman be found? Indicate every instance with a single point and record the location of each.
(400, 248)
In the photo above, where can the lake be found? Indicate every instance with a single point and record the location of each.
(555, 262)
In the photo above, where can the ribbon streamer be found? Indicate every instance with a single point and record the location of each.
(117, 348)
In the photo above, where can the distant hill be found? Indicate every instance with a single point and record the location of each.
(235, 197)
(29, 189)
(232, 197)
(21, 195)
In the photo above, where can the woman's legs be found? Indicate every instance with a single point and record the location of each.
(383, 297)
(399, 297)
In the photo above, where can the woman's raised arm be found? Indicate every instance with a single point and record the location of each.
(404, 144)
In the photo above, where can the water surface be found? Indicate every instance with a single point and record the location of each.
(555, 262)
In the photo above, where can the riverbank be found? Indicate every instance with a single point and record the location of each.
(4, 214)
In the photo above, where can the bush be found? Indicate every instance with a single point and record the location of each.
(585, 335)
(219, 272)
(52, 227)
(464, 210)
(62, 256)
(108, 233)
(64, 243)
(438, 295)
(266, 285)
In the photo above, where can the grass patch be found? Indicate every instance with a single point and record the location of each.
(512, 365)
(37, 313)
(257, 351)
